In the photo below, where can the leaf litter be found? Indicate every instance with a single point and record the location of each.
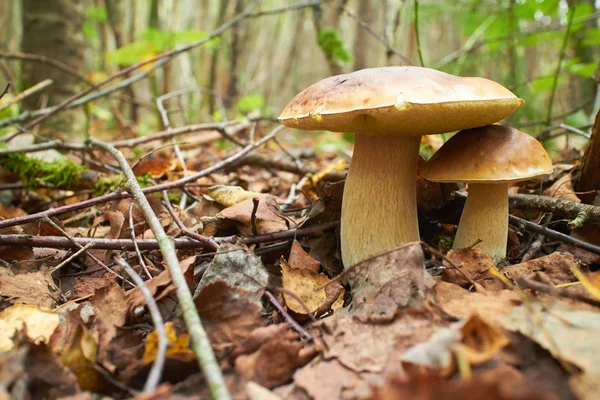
(401, 324)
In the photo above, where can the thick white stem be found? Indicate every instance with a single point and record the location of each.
(485, 218)
(379, 210)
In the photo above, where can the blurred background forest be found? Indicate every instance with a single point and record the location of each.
(545, 51)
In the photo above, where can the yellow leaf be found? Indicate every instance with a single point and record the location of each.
(39, 323)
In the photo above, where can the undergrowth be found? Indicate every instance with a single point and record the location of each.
(61, 173)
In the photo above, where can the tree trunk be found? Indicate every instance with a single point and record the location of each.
(53, 28)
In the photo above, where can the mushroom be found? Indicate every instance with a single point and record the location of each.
(388, 109)
(487, 158)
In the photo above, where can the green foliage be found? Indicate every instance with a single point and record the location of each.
(154, 41)
(93, 15)
(333, 46)
(250, 103)
(61, 173)
(113, 182)
(580, 118)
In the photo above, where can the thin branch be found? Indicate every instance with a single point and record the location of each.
(369, 29)
(134, 240)
(287, 316)
(200, 342)
(159, 361)
(46, 60)
(533, 227)
(561, 58)
(26, 93)
(207, 242)
(58, 242)
(5, 91)
(579, 213)
(417, 33)
(151, 189)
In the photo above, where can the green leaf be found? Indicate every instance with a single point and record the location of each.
(192, 36)
(591, 37)
(132, 53)
(580, 118)
(330, 41)
(585, 70)
(545, 83)
(96, 14)
(161, 40)
(250, 103)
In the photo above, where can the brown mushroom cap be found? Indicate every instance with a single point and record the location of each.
(404, 101)
(488, 154)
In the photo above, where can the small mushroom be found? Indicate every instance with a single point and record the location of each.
(487, 158)
(389, 109)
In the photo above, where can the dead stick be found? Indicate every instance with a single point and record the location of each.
(58, 242)
(152, 189)
(530, 226)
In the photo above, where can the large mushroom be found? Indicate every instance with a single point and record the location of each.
(487, 158)
(389, 109)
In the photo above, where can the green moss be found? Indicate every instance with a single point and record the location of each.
(113, 182)
(61, 173)
(333, 46)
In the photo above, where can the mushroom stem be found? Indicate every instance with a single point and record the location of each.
(485, 218)
(379, 209)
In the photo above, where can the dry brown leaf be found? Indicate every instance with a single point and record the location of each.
(301, 260)
(385, 283)
(460, 303)
(268, 216)
(33, 288)
(302, 283)
(556, 267)
(275, 362)
(228, 196)
(569, 334)
(228, 315)
(471, 262)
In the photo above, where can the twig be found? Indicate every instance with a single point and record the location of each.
(561, 57)
(287, 316)
(537, 242)
(134, 240)
(159, 361)
(525, 283)
(49, 221)
(5, 91)
(375, 35)
(578, 212)
(255, 202)
(71, 257)
(200, 343)
(544, 134)
(46, 60)
(26, 93)
(207, 242)
(417, 33)
(58, 242)
(530, 226)
(151, 189)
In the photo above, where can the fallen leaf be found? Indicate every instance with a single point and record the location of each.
(269, 218)
(39, 324)
(34, 288)
(302, 283)
(567, 333)
(230, 195)
(301, 260)
(556, 267)
(229, 315)
(238, 267)
(385, 283)
(275, 362)
(470, 262)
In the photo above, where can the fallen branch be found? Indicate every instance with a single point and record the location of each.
(200, 343)
(578, 212)
(151, 189)
(59, 242)
(26, 93)
(533, 227)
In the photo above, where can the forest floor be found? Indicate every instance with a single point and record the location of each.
(255, 223)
